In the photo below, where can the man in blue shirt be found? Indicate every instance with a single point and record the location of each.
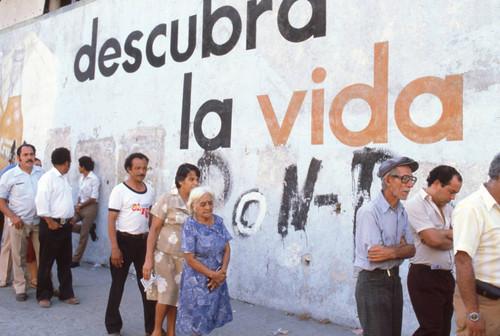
(383, 241)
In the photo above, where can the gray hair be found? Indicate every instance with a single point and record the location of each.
(393, 171)
(195, 195)
(494, 171)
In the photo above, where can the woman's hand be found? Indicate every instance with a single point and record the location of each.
(217, 280)
(146, 269)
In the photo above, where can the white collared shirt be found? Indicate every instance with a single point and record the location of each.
(89, 187)
(54, 198)
(20, 189)
(424, 214)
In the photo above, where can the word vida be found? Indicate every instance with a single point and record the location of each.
(448, 90)
(449, 126)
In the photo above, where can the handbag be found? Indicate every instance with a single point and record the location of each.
(485, 289)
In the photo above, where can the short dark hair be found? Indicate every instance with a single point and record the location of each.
(60, 156)
(494, 171)
(183, 171)
(25, 145)
(128, 160)
(86, 162)
(443, 174)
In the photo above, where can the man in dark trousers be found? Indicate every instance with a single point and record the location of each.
(128, 227)
(430, 280)
(383, 241)
(54, 205)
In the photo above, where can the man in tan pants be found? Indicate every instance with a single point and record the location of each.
(86, 208)
(19, 186)
(476, 237)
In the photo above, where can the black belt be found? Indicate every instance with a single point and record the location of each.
(435, 268)
(61, 221)
(140, 236)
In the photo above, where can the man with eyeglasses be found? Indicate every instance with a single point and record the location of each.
(383, 241)
(430, 280)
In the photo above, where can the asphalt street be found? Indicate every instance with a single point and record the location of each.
(91, 285)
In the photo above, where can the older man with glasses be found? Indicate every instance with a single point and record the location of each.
(383, 241)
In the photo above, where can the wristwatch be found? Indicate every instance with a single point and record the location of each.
(473, 316)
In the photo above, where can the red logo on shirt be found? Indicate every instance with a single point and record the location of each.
(144, 211)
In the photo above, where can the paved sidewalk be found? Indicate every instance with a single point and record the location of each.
(91, 286)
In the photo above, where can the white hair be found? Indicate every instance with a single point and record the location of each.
(195, 195)
(393, 171)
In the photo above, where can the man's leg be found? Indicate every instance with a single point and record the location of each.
(149, 307)
(19, 246)
(113, 320)
(374, 291)
(47, 255)
(5, 258)
(428, 298)
(397, 305)
(87, 215)
(63, 260)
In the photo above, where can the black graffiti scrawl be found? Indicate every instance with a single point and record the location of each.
(211, 161)
(297, 204)
(363, 163)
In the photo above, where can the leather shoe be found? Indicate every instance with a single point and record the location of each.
(44, 303)
(93, 235)
(74, 264)
(71, 301)
(21, 297)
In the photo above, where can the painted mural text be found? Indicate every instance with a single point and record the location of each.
(448, 90)
(109, 54)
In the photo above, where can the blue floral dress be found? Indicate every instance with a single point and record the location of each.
(201, 310)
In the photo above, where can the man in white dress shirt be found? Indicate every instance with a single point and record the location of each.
(19, 186)
(86, 207)
(54, 204)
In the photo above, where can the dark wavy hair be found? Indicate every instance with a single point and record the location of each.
(60, 156)
(86, 162)
(183, 171)
(443, 174)
(128, 160)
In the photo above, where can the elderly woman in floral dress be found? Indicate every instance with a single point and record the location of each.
(204, 297)
(164, 244)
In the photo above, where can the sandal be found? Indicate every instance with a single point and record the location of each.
(33, 283)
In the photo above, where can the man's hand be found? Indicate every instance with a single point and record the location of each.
(477, 328)
(77, 209)
(379, 253)
(53, 225)
(17, 222)
(117, 257)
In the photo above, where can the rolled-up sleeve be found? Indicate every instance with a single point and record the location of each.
(94, 188)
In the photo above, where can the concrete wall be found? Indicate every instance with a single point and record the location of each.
(14, 11)
(288, 112)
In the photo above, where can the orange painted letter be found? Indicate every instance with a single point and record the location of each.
(449, 126)
(280, 135)
(375, 96)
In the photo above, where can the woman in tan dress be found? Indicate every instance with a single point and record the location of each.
(164, 247)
